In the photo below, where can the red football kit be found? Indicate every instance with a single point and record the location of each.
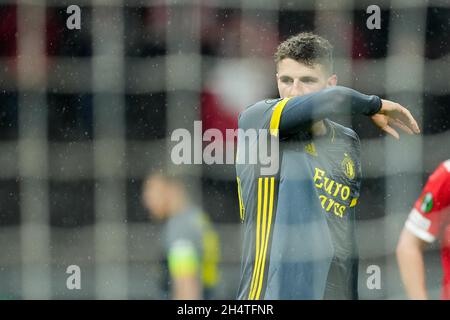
(430, 218)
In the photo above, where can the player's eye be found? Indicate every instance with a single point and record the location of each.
(286, 80)
(309, 80)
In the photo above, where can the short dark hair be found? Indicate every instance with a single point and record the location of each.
(307, 48)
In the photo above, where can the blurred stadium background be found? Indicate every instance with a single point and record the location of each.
(86, 113)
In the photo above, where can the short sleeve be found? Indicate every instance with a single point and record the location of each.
(184, 245)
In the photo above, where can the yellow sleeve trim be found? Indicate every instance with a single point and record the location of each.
(276, 116)
(354, 202)
(183, 259)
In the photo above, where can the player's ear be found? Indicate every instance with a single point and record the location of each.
(332, 81)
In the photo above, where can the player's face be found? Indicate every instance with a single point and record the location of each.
(154, 197)
(296, 79)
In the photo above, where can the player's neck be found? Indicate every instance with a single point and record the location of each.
(319, 129)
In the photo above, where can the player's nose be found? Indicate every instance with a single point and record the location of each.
(297, 88)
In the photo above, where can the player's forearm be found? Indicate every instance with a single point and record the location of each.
(412, 269)
(302, 111)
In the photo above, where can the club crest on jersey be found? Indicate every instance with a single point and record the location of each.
(427, 203)
(311, 149)
(348, 166)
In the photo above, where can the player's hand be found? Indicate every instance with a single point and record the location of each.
(393, 115)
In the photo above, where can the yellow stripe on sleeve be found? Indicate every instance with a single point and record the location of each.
(276, 116)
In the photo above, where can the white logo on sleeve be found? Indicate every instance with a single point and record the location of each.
(419, 226)
(421, 222)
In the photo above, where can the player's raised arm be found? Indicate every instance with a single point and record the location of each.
(300, 112)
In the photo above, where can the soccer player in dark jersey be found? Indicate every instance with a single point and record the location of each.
(190, 242)
(299, 238)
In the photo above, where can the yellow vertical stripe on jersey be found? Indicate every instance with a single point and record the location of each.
(241, 202)
(257, 238)
(263, 237)
(276, 116)
(269, 223)
(261, 243)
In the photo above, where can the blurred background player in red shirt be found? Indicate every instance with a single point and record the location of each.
(428, 221)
